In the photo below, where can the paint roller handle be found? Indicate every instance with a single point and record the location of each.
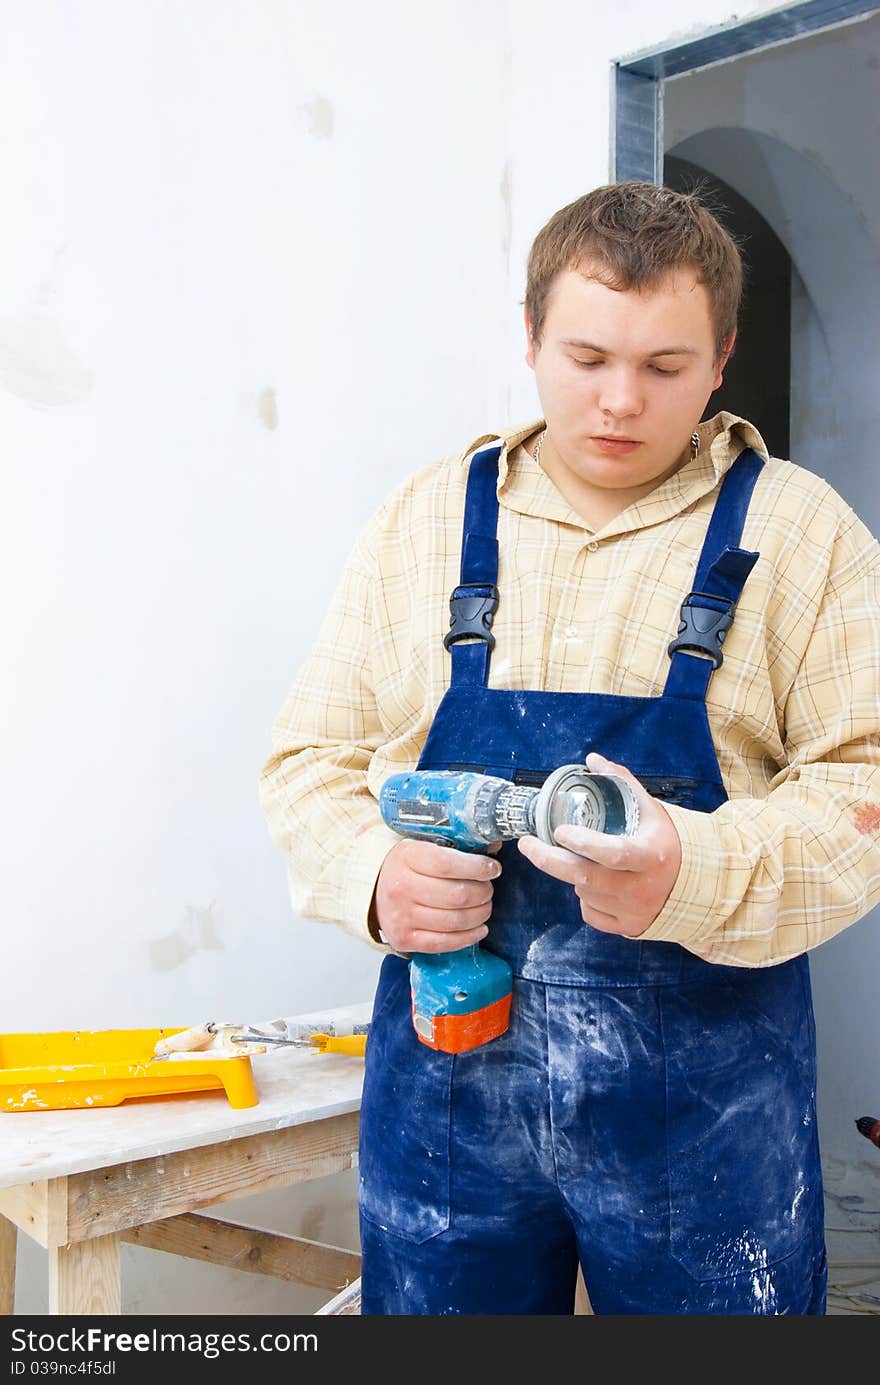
(187, 1040)
(354, 1045)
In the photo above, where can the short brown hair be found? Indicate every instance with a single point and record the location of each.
(637, 233)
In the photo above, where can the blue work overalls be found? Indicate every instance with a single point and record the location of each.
(647, 1113)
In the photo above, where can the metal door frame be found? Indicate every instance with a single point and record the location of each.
(637, 81)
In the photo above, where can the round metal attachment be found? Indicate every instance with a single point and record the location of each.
(572, 796)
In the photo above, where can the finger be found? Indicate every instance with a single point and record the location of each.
(604, 848)
(443, 920)
(599, 919)
(609, 901)
(454, 895)
(442, 940)
(555, 860)
(598, 764)
(427, 858)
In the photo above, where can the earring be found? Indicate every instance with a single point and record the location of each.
(695, 443)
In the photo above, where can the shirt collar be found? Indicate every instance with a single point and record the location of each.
(525, 487)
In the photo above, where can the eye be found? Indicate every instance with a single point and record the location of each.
(586, 365)
(660, 371)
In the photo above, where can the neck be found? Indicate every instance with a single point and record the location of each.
(594, 504)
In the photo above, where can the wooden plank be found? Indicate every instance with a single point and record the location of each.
(40, 1209)
(84, 1278)
(247, 1248)
(114, 1199)
(582, 1305)
(348, 1302)
(8, 1245)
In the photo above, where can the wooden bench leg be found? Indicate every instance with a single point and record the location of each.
(85, 1277)
(581, 1297)
(8, 1244)
(349, 1301)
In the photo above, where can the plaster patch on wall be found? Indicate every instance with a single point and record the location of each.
(321, 116)
(37, 365)
(197, 932)
(506, 190)
(267, 407)
(46, 289)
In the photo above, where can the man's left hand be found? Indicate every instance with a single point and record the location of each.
(622, 882)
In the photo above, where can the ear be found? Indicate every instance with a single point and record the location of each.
(530, 343)
(725, 357)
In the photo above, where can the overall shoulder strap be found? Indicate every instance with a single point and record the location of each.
(474, 601)
(722, 569)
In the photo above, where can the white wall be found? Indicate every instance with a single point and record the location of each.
(257, 261)
(795, 131)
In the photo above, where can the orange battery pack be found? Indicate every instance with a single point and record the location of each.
(104, 1067)
(461, 1033)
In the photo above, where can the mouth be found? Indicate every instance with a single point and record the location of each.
(615, 444)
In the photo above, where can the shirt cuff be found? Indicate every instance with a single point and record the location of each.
(692, 911)
(362, 871)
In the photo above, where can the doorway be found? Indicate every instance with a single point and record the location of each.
(757, 378)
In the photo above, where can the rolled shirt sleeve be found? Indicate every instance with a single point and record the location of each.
(764, 879)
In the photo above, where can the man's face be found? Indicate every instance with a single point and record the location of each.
(622, 364)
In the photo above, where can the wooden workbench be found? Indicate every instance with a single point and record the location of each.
(81, 1181)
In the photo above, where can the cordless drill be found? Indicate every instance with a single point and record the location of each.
(461, 999)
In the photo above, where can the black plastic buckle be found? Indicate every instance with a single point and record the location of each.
(472, 609)
(702, 629)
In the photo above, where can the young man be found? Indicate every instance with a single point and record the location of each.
(650, 1112)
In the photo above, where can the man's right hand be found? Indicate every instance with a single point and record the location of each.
(431, 898)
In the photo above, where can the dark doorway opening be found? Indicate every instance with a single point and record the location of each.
(757, 378)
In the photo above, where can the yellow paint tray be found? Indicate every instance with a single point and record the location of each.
(104, 1067)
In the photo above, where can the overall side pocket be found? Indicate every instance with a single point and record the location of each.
(745, 1184)
(404, 1156)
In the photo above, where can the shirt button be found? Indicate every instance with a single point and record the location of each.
(593, 547)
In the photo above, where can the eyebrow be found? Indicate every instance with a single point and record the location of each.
(601, 350)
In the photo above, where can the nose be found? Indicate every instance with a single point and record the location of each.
(620, 394)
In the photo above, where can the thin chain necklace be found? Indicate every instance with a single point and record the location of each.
(695, 445)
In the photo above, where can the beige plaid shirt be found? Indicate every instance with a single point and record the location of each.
(794, 709)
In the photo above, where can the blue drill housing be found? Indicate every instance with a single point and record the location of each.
(443, 806)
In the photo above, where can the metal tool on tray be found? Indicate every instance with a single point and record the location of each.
(224, 1037)
(354, 1045)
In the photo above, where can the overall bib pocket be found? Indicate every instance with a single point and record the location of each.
(671, 788)
(745, 1184)
(404, 1156)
